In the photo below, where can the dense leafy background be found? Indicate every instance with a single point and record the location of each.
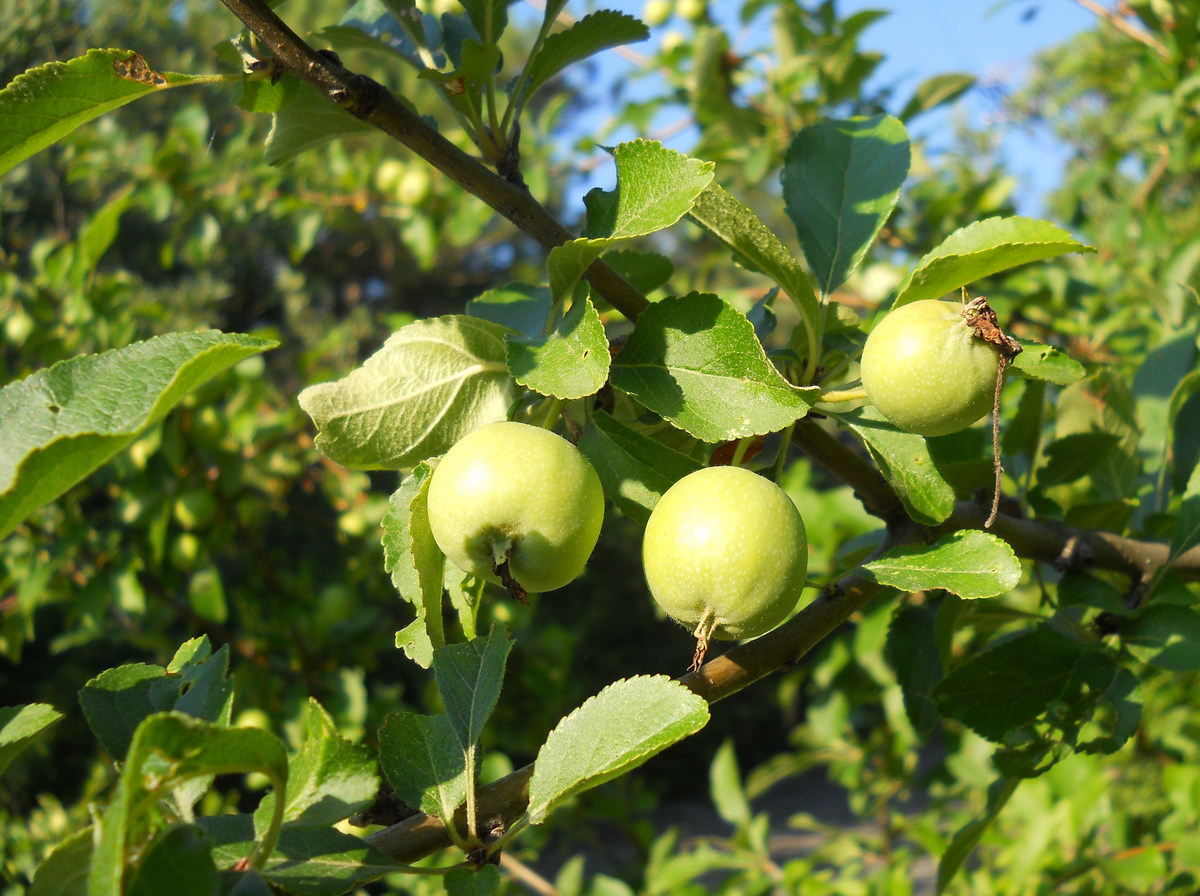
(224, 520)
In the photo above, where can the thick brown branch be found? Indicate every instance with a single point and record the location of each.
(857, 472)
(376, 105)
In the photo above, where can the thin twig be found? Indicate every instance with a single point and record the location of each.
(373, 103)
(1123, 25)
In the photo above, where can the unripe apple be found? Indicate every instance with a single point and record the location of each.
(725, 553)
(510, 493)
(656, 12)
(925, 370)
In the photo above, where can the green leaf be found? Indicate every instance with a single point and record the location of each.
(570, 362)
(982, 249)
(423, 759)
(469, 677)
(1077, 588)
(1014, 682)
(1117, 716)
(20, 726)
(178, 861)
(969, 563)
(167, 750)
(1186, 533)
(936, 91)
(116, 701)
(1166, 636)
(634, 469)
(612, 733)
(757, 246)
(696, 361)
(307, 861)
(645, 271)
(306, 119)
(416, 565)
(586, 37)
(725, 784)
(1074, 456)
(63, 422)
(904, 460)
(912, 652)
(477, 880)
(430, 384)
(969, 835)
(1045, 362)
(45, 104)
(841, 180)
(518, 306)
(1183, 422)
(65, 870)
(489, 17)
(656, 187)
(329, 779)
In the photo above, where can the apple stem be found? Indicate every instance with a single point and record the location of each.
(501, 551)
(704, 630)
(997, 467)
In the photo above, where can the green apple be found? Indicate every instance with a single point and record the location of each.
(516, 499)
(925, 370)
(725, 553)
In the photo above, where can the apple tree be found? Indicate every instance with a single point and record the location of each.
(771, 354)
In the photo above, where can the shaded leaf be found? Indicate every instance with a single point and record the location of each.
(517, 306)
(1074, 456)
(63, 422)
(480, 880)
(1186, 533)
(306, 119)
(759, 249)
(982, 249)
(469, 677)
(570, 362)
(936, 91)
(905, 462)
(968, 836)
(634, 468)
(841, 180)
(65, 870)
(178, 861)
(1166, 636)
(20, 726)
(610, 734)
(307, 861)
(912, 652)
(696, 361)
(1016, 681)
(430, 384)
(969, 563)
(586, 37)
(116, 701)
(167, 750)
(489, 17)
(423, 759)
(329, 779)
(416, 565)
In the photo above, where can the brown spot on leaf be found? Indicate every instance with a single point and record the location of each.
(135, 68)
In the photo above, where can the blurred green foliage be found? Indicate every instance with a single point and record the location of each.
(224, 521)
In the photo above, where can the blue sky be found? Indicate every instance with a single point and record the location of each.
(992, 39)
